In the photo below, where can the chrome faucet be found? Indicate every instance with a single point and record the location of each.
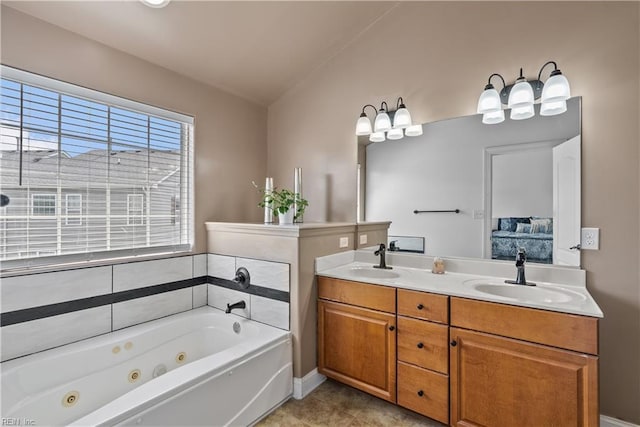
(239, 304)
(520, 279)
(383, 262)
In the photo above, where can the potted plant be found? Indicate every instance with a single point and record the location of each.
(282, 201)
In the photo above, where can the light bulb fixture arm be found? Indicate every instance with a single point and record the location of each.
(490, 86)
(400, 103)
(555, 68)
(364, 114)
(384, 107)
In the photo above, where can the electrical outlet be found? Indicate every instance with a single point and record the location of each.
(344, 242)
(363, 239)
(590, 239)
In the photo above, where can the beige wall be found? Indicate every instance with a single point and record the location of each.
(230, 132)
(438, 57)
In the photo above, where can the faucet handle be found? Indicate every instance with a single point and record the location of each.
(522, 255)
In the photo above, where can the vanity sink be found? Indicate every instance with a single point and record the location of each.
(540, 294)
(373, 273)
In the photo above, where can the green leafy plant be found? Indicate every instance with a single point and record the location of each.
(281, 200)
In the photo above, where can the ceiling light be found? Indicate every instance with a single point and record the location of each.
(522, 94)
(400, 117)
(156, 3)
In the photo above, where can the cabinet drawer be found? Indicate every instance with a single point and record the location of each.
(423, 305)
(568, 331)
(423, 391)
(424, 344)
(375, 297)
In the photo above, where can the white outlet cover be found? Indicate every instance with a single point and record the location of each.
(590, 239)
(344, 242)
(363, 239)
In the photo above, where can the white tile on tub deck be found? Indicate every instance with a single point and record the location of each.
(132, 312)
(148, 273)
(219, 297)
(33, 290)
(270, 311)
(199, 296)
(25, 338)
(221, 266)
(268, 274)
(199, 265)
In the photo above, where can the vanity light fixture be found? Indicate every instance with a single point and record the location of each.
(396, 123)
(157, 4)
(521, 95)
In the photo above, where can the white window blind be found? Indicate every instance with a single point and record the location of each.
(89, 175)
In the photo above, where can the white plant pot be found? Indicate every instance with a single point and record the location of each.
(286, 218)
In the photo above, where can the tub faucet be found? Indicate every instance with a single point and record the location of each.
(239, 304)
(383, 262)
(520, 279)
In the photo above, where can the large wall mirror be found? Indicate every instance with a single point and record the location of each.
(515, 184)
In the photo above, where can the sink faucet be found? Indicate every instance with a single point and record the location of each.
(520, 279)
(239, 304)
(383, 262)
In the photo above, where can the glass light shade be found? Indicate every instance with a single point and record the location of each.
(363, 127)
(493, 117)
(382, 123)
(553, 108)
(489, 101)
(377, 137)
(556, 89)
(521, 113)
(521, 95)
(395, 133)
(414, 130)
(401, 119)
(156, 3)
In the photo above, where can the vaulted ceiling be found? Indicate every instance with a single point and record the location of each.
(254, 49)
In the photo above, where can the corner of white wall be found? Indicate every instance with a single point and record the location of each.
(305, 385)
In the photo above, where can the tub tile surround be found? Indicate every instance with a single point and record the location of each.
(75, 304)
(267, 297)
(139, 310)
(45, 310)
(25, 338)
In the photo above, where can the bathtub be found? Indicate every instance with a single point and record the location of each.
(202, 367)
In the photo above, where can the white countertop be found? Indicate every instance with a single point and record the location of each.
(564, 298)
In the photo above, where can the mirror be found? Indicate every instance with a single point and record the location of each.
(514, 184)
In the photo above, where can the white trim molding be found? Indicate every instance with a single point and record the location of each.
(305, 385)
(606, 421)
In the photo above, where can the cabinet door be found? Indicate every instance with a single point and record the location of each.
(357, 346)
(504, 382)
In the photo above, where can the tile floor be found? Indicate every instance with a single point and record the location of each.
(337, 405)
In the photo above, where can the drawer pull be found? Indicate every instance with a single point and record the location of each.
(420, 345)
(391, 328)
(454, 343)
(420, 393)
(420, 307)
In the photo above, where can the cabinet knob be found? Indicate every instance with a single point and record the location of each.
(420, 307)
(420, 393)
(454, 343)
(391, 328)
(420, 345)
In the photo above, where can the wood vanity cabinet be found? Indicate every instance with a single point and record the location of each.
(356, 335)
(423, 353)
(519, 366)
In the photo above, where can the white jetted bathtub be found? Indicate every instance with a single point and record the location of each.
(202, 367)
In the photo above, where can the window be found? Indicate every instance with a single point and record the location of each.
(87, 158)
(135, 211)
(43, 205)
(73, 207)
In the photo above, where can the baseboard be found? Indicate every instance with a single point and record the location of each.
(305, 385)
(614, 422)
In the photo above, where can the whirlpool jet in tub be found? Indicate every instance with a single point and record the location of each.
(202, 367)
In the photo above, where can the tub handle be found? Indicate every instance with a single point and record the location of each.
(242, 277)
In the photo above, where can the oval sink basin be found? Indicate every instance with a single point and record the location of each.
(373, 273)
(527, 293)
